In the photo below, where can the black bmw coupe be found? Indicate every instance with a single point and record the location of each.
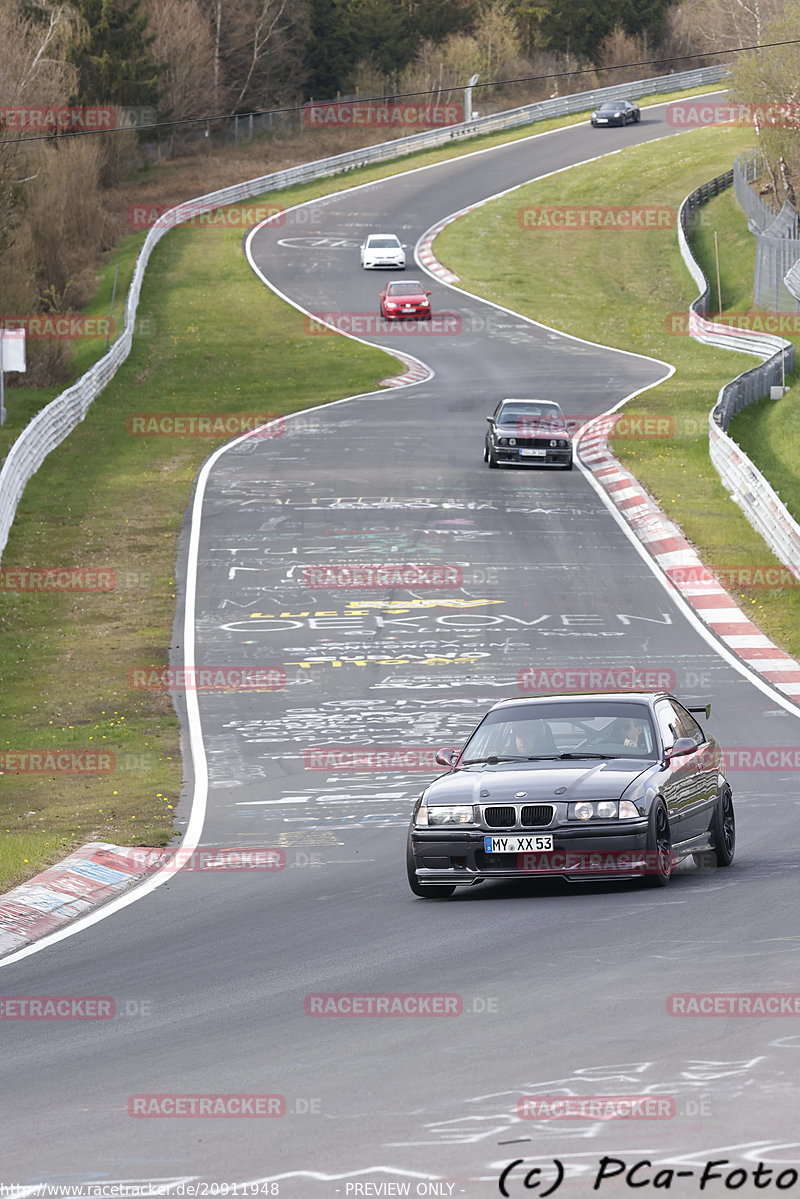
(585, 787)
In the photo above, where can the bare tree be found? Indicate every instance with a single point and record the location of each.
(184, 45)
(768, 82)
(700, 26)
(49, 226)
(620, 47)
(259, 50)
(265, 29)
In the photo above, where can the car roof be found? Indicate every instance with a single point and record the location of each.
(529, 400)
(644, 697)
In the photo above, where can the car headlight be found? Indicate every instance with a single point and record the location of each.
(390, 304)
(455, 814)
(512, 441)
(503, 441)
(424, 303)
(562, 443)
(603, 809)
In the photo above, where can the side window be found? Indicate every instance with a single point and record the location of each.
(687, 725)
(667, 724)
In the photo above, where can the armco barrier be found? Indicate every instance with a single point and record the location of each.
(744, 482)
(776, 234)
(53, 423)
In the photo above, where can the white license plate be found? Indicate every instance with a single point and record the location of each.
(533, 453)
(536, 843)
(602, 120)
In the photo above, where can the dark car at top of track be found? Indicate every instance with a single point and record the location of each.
(616, 112)
(528, 433)
(590, 787)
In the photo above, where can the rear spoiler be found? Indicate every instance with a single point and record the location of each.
(706, 710)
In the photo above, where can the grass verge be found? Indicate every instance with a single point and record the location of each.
(621, 290)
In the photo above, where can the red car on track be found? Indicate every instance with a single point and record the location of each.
(406, 297)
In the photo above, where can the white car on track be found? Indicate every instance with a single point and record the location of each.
(383, 249)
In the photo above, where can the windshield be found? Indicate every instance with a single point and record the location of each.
(537, 414)
(585, 729)
(612, 107)
(404, 289)
(383, 243)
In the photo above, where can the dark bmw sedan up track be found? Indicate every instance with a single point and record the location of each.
(585, 787)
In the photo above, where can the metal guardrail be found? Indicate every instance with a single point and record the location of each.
(777, 237)
(54, 422)
(745, 484)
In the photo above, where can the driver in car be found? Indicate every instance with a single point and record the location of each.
(533, 738)
(627, 731)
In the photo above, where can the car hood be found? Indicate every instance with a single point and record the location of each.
(532, 431)
(414, 298)
(541, 781)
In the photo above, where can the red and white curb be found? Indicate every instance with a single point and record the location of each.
(425, 252)
(90, 876)
(676, 557)
(417, 372)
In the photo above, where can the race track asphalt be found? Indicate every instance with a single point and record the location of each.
(564, 989)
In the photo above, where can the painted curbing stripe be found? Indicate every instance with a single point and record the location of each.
(778, 666)
(731, 615)
(91, 875)
(747, 641)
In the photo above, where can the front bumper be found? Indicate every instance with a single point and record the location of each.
(417, 314)
(510, 456)
(457, 857)
(398, 264)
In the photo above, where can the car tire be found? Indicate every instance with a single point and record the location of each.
(723, 832)
(485, 453)
(658, 867)
(434, 891)
(492, 459)
(637, 116)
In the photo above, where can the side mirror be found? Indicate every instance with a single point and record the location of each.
(490, 420)
(447, 757)
(682, 747)
(428, 293)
